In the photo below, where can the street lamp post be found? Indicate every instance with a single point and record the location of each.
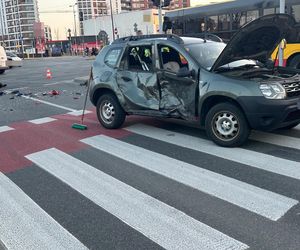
(112, 20)
(75, 26)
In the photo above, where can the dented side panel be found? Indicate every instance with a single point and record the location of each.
(139, 88)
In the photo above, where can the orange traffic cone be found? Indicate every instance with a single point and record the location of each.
(49, 74)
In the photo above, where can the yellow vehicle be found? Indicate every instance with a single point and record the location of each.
(291, 55)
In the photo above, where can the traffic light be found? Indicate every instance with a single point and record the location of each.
(80, 16)
(166, 3)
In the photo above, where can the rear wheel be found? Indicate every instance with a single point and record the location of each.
(295, 62)
(109, 111)
(226, 125)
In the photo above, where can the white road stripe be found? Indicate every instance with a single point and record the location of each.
(279, 140)
(24, 225)
(254, 199)
(165, 225)
(56, 83)
(5, 129)
(79, 112)
(42, 120)
(247, 157)
(49, 103)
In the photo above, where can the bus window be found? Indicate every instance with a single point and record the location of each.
(212, 23)
(269, 11)
(238, 20)
(296, 12)
(252, 15)
(224, 22)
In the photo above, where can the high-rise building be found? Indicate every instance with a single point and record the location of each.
(48, 33)
(91, 9)
(17, 20)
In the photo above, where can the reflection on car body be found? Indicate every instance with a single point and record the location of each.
(230, 89)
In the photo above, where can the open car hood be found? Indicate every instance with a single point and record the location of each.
(258, 39)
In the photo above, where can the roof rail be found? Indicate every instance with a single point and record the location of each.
(173, 37)
(209, 36)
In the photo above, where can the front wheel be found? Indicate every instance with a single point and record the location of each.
(109, 111)
(226, 125)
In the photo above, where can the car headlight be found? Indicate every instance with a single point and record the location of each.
(273, 90)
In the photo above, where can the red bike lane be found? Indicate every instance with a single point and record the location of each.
(27, 138)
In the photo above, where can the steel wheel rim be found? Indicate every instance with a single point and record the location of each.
(225, 125)
(107, 112)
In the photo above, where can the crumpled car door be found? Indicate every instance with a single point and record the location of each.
(139, 88)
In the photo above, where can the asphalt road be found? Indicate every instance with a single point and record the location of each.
(153, 184)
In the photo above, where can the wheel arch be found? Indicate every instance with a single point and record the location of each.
(211, 101)
(291, 58)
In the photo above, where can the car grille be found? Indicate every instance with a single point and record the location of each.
(292, 89)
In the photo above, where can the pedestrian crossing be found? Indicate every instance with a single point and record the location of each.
(166, 225)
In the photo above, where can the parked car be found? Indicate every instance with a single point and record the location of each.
(3, 60)
(13, 60)
(230, 89)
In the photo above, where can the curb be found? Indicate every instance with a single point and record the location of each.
(81, 80)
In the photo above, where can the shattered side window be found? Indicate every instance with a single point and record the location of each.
(112, 57)
(140, 58)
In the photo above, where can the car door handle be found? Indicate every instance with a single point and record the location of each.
(126, 79)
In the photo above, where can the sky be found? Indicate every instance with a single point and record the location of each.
(61, 22)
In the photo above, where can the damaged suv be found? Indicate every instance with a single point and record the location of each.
(230, 89)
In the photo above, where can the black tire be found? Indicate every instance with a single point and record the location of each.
(114, 116)
(295, 62)
(2, 71)
(291, 126)
(236, 131)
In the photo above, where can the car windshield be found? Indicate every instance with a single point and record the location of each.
(205, 53)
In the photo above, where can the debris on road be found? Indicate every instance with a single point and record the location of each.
(53, 92)
(2, 85)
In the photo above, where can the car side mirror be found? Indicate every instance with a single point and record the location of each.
(184, 72)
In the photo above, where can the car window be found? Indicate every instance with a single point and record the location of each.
(171, 59)
(139, 58)
(112, 56)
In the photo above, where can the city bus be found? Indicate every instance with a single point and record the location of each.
(224, 19)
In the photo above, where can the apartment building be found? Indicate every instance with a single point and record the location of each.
(92, 9)
(17, 20)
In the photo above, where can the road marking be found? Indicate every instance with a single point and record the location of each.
(42, 120)
(254, 199)
(24, 225)
(246, 157)
(8, 91)
(56, 83)
(5, 129)
(163, 224)
(49, 103)
(279, 140)
(79, 112)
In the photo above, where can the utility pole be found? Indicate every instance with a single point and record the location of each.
(160, 16)
(280, 48)
(75, 26)
(112, 20)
